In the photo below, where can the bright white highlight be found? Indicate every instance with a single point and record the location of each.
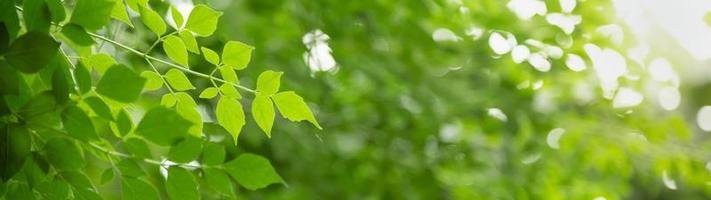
(703, 118)
(626, 98)
(445, 35)
(669, 98)
(498, 114)
(539, 62)
(575, 63)
(520, 53)
(554, 137)
(318, 57)
(609, 65)
(565, 22)
(526, 9)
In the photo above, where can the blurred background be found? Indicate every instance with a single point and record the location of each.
(481, 99)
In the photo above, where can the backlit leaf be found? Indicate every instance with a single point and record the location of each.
(237, 54)
(268, 82)
(152, 20)
(293, 107)
(92, 14)
(263, 113)
(99, 107)
(178, 80)
(175, 49)
(189, 41)
(153, 80)
(209, 93)
(230, 116)
(137, 147)
(203, 20)
(211, 56)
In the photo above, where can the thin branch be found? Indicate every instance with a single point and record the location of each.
(132, 50)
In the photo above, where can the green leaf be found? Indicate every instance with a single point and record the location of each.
(177, 17)
(77, 35)
(78, 124)
(252, 171)
(175, 49)
(186, 108)
(39, 112)
(152, 20)
(101, 62)
(181, 184)
(211, 56)
(229, 91)
(107, 175)
(237, 54)
(203, 20)
(57, 10)
(36, 15)
(137, 147)
(189, 41)
(99, 107)
(268, 82)
(64, 154)
(228, 74)
(82, 187)
(186, 150)
(209, 93)
(178, 80)
(119, 13)
(293, 107)
(153, 80)
(53, 189)
(31, 52)
(124, 124)
(168, 100)
(9, 80)
(218, 181)
(230, 116)
(129, 168)
(135, 4)
(92, 14)
(60, 85)
(138, 189)
(213, 154)
(121, 84)
(81, 74)
(263, 113)
(153, 126)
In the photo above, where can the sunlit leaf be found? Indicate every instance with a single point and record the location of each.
(293, 107)
(210, 55)
(178, 80)
(209, 93)
(92, 14)
(175, 49)
(152, 20)
(230, 116)
(268, 82)
(153, 80)
(236, 54)
(263, 113)
(203, 20)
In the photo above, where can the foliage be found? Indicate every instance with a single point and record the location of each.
(78, 111)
